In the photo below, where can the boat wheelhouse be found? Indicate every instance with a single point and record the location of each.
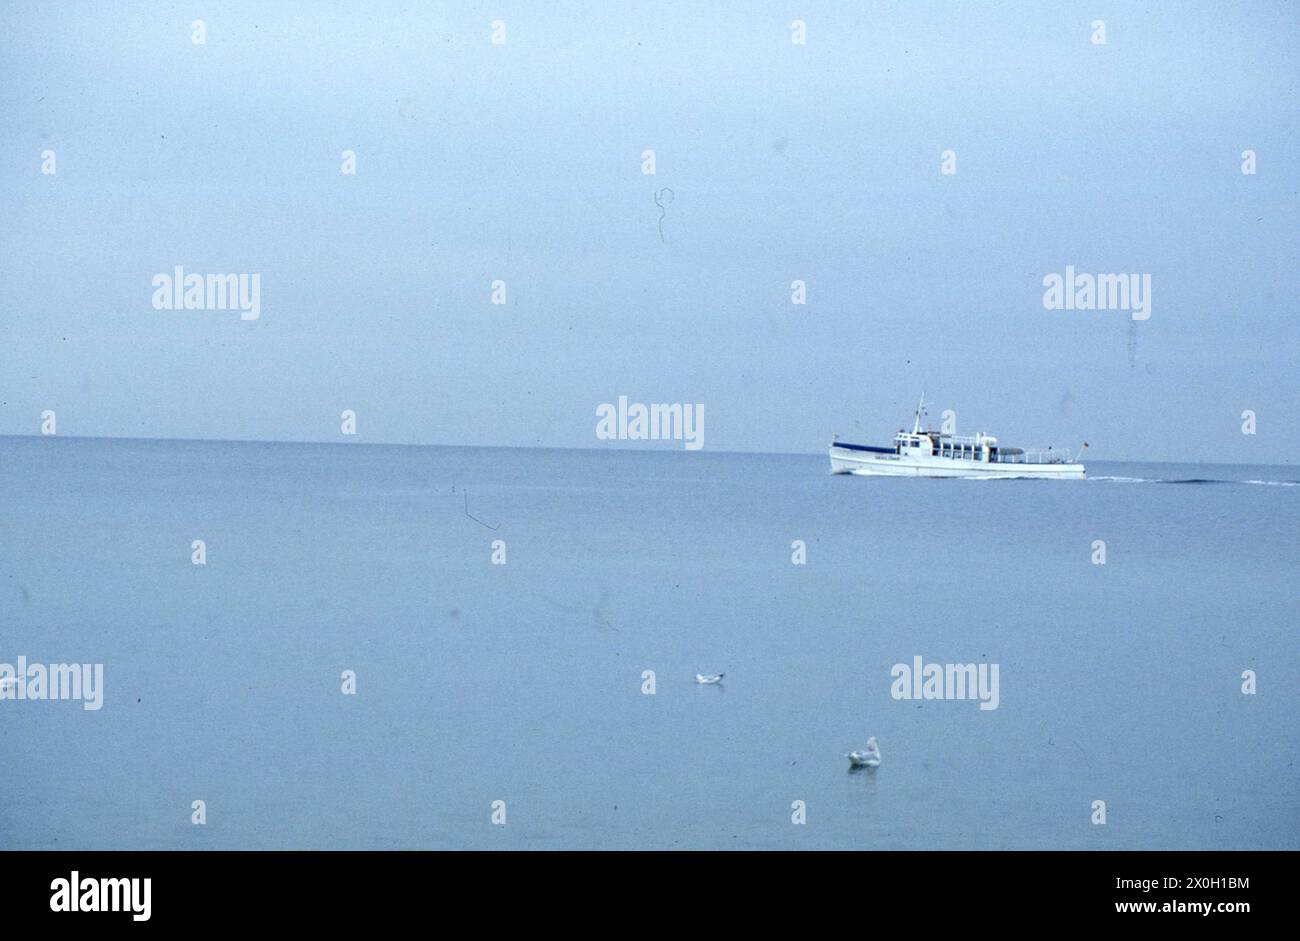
(928, 453)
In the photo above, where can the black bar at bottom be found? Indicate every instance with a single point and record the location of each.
(335, 889)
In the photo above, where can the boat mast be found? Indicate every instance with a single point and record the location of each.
(916, 427)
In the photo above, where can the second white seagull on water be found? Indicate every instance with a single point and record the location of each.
(709, 679)
(869, 757)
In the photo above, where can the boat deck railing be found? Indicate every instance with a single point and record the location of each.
(1036, 456)
(962, 440)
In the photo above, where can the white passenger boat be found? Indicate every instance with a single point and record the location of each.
(933, 454)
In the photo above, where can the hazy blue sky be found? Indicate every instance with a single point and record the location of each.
(523, 162)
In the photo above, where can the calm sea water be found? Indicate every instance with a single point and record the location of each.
(523, 682)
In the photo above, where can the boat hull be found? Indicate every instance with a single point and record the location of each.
(880, 464)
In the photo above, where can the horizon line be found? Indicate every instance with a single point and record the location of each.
(517, 447)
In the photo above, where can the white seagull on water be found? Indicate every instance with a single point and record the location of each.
(869, 757)
(709, 679)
